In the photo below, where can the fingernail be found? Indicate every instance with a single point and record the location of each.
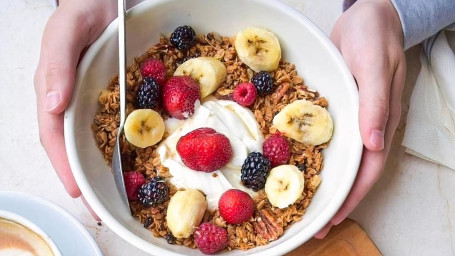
(52, 100)
(377, 138)
(335, 221)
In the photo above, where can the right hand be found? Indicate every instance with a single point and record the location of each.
(73, 26)
(370, 38)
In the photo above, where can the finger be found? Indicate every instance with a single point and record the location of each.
(373, 162)
(373, 79)
(90, 209)
(51, 134)
(64, 38)
(324, 231)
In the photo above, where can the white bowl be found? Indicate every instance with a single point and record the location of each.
(316, 60)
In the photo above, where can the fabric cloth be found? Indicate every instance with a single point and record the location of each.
(430, 127)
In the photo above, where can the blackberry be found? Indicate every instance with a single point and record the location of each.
(170, 238)
(154, 192)
(148, 94)
(183, 38)
(264, 82)
(301, 167)
(148, 222)
(254, 171)
(197, 54)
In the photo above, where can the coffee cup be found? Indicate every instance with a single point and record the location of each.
(20, 236)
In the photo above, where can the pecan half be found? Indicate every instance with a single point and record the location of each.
(267, 226)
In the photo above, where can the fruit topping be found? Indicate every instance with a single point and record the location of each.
(264, 82)
(185, 211)
(148, 94)
(209, 72)
(154, 192)
(133, 181)
(258, 48)
(254, 171)
(276, 149)
(144, 127)
(210, 238)
(183, 37)
(245, 94)
(170, 239)
(154, 68)
(284, 185)
(236, 206)
(304, 122)
(180, 94)
(204, 149)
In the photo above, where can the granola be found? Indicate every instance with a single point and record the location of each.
(268, 222)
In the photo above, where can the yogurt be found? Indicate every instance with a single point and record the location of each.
(227, 117)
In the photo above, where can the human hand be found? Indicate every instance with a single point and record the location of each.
(370, 38)
(72, 27)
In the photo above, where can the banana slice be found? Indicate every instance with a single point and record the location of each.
(284, 185)
(209, 72)
(185, 212)
(304, 122)
(144, 127)
(258, 48)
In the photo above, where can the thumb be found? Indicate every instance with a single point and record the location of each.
(64, 38)
(374, 80)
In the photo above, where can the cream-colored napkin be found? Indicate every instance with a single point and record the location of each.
(430, 127)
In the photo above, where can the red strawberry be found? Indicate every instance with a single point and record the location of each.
(133, 181)
(154, 68)
(276, 149)
(210, 238)
(236, 206)
(204, 150)
(179, 95)
(245, 94)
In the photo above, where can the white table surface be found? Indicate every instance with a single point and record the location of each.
(410, 210)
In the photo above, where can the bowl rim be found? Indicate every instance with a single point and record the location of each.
(285, 246)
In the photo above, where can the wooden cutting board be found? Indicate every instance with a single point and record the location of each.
(346, 239)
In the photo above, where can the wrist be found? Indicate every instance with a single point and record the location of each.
(389, 15)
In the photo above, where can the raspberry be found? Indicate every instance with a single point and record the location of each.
(276, 149)
(154, 68)
(245, 94)
(236, 206)
(264, 82)
(204, 149)
(133, 180)
(210, 238)
(148, 94)
(183, 38)
(153, 193)
(179, 95)
(254, 171)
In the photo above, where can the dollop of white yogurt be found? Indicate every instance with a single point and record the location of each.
(227, 117)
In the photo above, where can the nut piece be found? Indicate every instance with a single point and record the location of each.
(267, 226)
(185, 212)
(314, 182)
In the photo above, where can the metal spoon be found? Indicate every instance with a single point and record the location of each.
(117, 156)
